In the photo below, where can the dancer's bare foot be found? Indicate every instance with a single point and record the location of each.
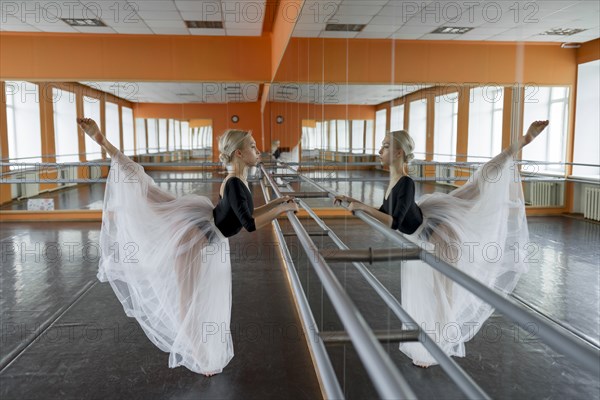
(534, 130)
(90, 127)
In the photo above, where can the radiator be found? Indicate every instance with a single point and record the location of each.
(591, 203)
(545, 194)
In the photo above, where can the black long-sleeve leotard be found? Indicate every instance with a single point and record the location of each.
(234, 210)
(400, 204)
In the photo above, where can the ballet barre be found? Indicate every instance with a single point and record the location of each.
(557, 338)
(388, 382)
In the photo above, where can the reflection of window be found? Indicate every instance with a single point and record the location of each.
(397, 118)
(380, 118)
(371, 147)
(128, 132)
(332, 135)
(23, 121)
(444, 139)
(112, 124)
(325, 136)
(185, 135)
(65, 126)
(140, 135)
(358, 136)
(343, 136)
(547, 103)
(91, 109)
(162, 134)
(587, 121)
(171, 130)
(318, 138)
(485, 122)
(308, 137)
(152, 136)
(177, 135)
(417, 126)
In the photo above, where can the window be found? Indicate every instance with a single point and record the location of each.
(358, 136)
(128, 131)
(397, 118)
(380, 120)
(343, 136)
(332, 135)
(485, 122)
(587, 121)
(162, 134)
(417, 126)
(177, 135)
(112, 124)
(152, 136)
(23, 122)
(91, 109)
(65, 126)
(547, 103)
(171, 142)
(371, 147)
(140, 135)
(185, 135)
(446, 118)
(318, 143)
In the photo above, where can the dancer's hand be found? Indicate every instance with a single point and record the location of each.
(284, 199)
(289, 206)
(339, 199)
(90, 127)
(534, 130)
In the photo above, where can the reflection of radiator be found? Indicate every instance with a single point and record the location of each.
(591, 203)
(545, 194)
(28, 189)
(68, 173)
(444, 171)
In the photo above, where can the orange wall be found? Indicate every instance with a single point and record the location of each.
(324, 60)
(56, 56)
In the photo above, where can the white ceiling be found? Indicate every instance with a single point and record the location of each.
(159, 17)
(180, 92)
(399, 19)
(415, 20)
(176, 92)
(331, 93)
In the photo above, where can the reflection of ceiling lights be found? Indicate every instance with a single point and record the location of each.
(570, 45)
(79, 22)
(344, 27)
(204, 24)
(562, 31)
(452, 30)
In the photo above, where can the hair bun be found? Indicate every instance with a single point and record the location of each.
(409, 157)
(224, 158)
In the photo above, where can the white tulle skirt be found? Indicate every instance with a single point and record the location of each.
(169, 266)
(481, 229)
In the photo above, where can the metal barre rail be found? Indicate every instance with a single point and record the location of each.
(386, 379)
(556, 338)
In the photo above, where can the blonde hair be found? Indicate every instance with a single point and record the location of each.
(406, 143)
(230, 141)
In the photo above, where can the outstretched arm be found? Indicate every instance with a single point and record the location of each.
(355, 205)
(258, 211)
(265, 217)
